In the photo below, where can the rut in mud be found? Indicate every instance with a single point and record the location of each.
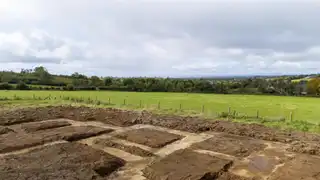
(85, 143)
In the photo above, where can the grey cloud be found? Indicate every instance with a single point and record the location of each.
(8, 57)
(163, 37)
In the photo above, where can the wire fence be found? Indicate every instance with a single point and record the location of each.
(180, 108)
(204, 109)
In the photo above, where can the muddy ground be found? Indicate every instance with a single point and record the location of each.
(84, 143)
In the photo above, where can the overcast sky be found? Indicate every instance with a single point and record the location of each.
(161, 37)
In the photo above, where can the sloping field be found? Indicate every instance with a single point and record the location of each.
(208, 105)
(84, 143)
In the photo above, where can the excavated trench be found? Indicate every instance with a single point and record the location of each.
(85, 143)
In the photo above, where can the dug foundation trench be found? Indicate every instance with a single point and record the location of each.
(85, 143)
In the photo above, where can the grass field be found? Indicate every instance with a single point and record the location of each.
(209, 105)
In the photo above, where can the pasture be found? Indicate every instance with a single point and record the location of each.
(209, 105)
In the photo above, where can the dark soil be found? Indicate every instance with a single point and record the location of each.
(128, 118)
(17, 141)
(74, 133)
(230, 176)
(5, 130)
(302, 167)
(306, 148)
(149, 137)
(37, 126)
(187, 164)
(232, 145)
(60, 162)
(130, 149)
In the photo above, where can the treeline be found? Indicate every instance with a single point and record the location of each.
(40, 79)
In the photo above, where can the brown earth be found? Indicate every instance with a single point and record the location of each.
(149, 137)
(126, 118)
(17, 141)
(301, 167)
(130, 149)
(230, 176)
(183, 147)
(5, 130)
(199, 167)
(226, 144)
(61, 161)
(306, 148)
(37, 126)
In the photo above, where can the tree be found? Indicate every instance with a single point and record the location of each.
(43, 75)
(95, 81)
(108, 81)
(70, 87)
(313, 86)
(5, 86)
(22, 86)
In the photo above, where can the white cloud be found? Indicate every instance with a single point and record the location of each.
(161, 38)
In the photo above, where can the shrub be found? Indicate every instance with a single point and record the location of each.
(5, 86)
(22, 86)
(70, 87)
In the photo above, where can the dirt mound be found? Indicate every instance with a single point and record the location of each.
(33, 114)
(62, 161)
(237, 146)
(306, 148)
(130, 149)
(106, 115)
(17, 141)
(5, 130)
(37, 126)
(149, 137)
(199, 166)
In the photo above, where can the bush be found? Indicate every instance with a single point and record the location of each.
(22, 86)
(5, 86)
(70, 87)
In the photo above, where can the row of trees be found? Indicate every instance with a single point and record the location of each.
(77, 81)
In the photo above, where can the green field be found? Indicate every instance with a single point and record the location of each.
(270, 109)
(303, 108)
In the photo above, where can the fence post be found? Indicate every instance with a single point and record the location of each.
(124, 102)
(202, 110)
(180, 106)
(257, 114)
(159, 105)
(109, 101)
(291, 116)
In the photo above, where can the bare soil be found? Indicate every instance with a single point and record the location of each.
(199, 167)
(149, 137)
(37, 126)
(5, 130)
(130, 149)
(301, 167)
(232, 145)
(306, 148)
(17, 141)
(183, 147)
(230, 176)
(126, 118)
(62, 161)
